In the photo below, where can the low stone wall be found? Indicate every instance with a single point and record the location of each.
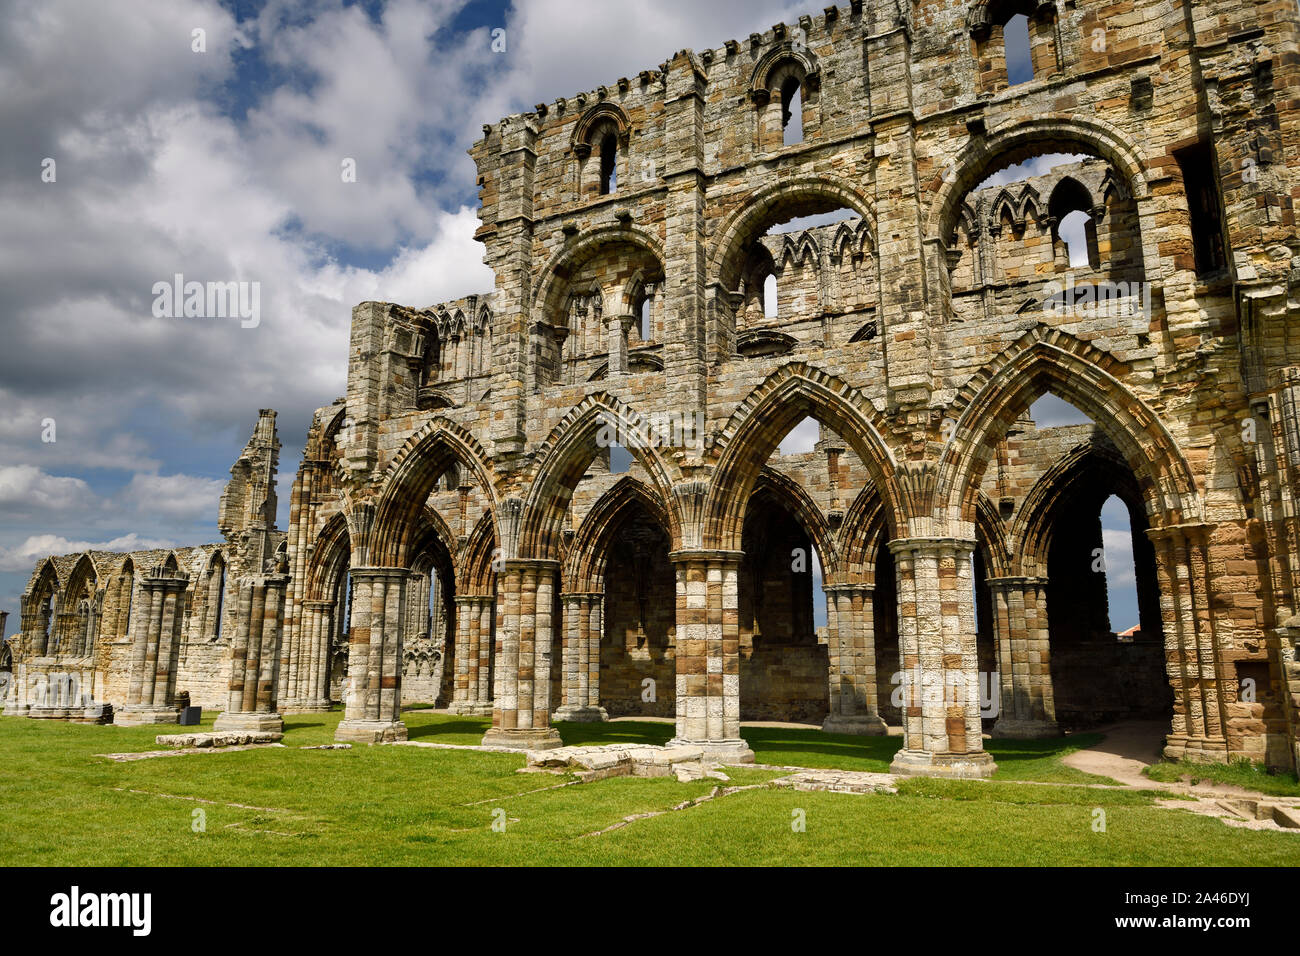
(788, 682)
(1101, 681)
(204, 671)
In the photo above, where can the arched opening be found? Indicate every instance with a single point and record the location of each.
(638, 640)
(1085, 533)
(784, 660)
(599, 315)
(1071, 208)
(325, 620)
(1034, 219)
(771, 305)
(77, 624)
(807, 274)
(609, 163)
(1016, 49)
(644, 329)
(429, 642)
(340, 635)
(1014, 41)
(792, 111)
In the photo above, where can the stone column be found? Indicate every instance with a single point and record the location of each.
(521, 718)
(1191, 649)
(617, 329)
(373, 709)
(311, 683)
(471, 694)
(255, 656)
(708, 654)
(30, 643)
(583, 625)
(851, 640)
(155, 645)
(1027, 706)
(936, 625)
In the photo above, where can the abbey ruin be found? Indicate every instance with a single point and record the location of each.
(563, 500)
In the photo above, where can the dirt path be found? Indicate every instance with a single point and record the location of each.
(1129, 748)
(1123, 754)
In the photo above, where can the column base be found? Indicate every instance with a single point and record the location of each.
(130, 716)
(17, 710)
(922, 763)
(370, 731)
(92, 713)
(254, 722)
(1197, 749)
(581, 715)
(858, 725)
(719, 751)
(1011, 728)
(306, 707)
(469, 708)
(545, 738)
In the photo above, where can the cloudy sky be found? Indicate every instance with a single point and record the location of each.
(133, 149)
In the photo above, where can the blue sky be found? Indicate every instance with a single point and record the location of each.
(223, 164)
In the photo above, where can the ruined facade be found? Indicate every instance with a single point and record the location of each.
(465, 530)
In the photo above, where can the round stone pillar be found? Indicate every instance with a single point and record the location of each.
(1026, 704)
(373, 709)
(851, 640)
(521, 718)
(155, 647)
(936, 629)
(708, 654)
(255, 656)
(583, 626)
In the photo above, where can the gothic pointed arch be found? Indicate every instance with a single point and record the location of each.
(1047, 360)
(330, 555)
(795, 499)
(411, 478)
(475, 572)
(565, 456)
(859, 535)
(584, 567)
(792, 393)
(1033, 530)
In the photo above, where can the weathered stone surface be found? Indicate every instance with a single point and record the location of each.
(517, 566)
(226, 739)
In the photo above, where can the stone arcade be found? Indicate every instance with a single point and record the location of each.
(464, 532)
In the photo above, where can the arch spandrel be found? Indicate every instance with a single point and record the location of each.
(564, 458)
(1049, 361)
(411, 478)
(757, 427)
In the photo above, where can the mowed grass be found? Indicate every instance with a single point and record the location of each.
(1239, 773)
(63, 805)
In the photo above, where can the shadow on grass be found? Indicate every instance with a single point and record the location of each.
(622, 732)
(1009, 751)
(292, 723)
(790, 745)
(471, 730)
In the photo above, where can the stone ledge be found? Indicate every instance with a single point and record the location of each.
(625, 760)
(215, 740)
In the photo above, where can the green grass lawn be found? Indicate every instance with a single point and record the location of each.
(405, 805)
(1240, 773)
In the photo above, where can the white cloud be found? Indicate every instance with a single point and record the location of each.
(25, 489)
(801, 439)
(179, 497)
(1119, 557)
(23, 557)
